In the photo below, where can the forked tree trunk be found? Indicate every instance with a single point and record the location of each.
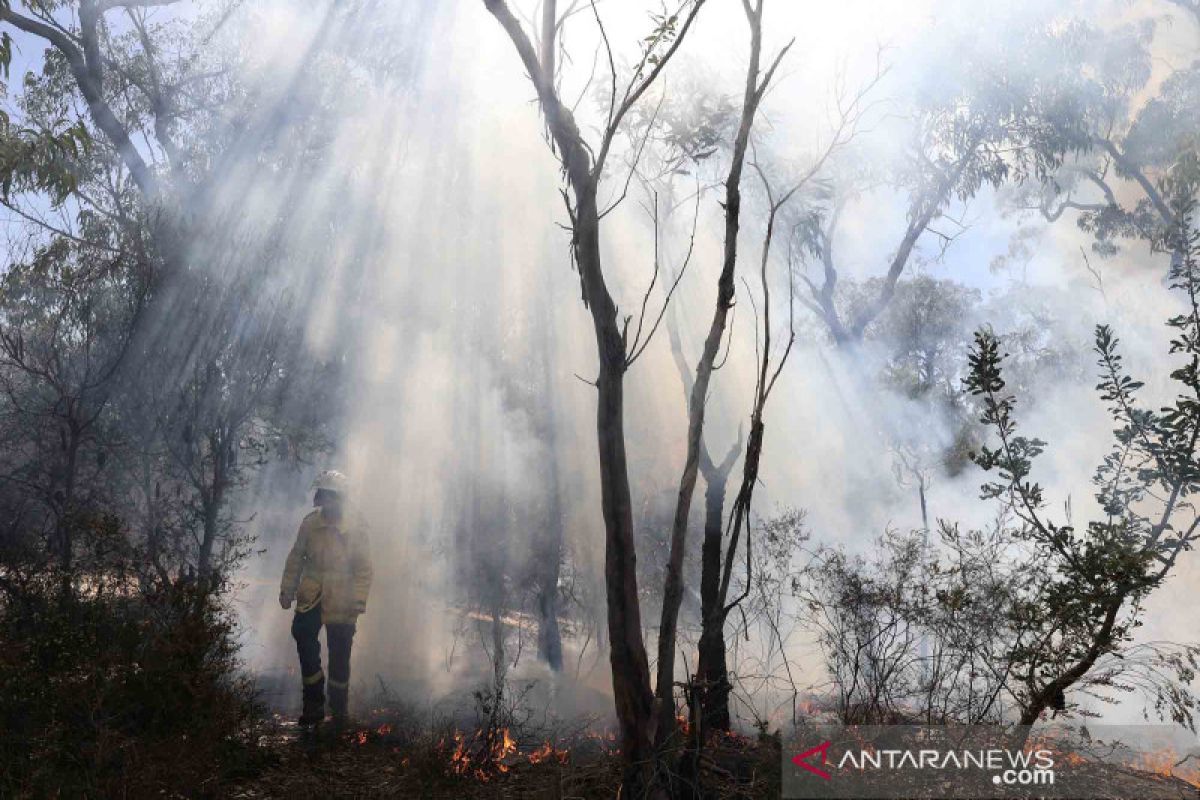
(673, 584)
(718, 608)
(710, 685)
(627, 652)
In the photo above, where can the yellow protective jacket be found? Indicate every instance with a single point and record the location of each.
(330, 564)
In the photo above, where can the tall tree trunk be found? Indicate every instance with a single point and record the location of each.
(673, 584)
(764, 384)
(711, 668)
(207, 542)
(924, 506)
(548, 549)
(214, 499)
(627, 651)
(499, 673)
(583, 168)
(712, 672)
(63, 531)
(548, 554)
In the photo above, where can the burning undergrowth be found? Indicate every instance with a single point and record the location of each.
(398, 750)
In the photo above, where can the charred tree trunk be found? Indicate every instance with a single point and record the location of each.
(712, 672)
(673, 584)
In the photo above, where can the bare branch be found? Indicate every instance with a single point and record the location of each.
(636, 90)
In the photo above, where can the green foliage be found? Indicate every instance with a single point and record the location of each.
(119, 689)
(1097, 578)
(44, 160)
(666, 28)
(1013, 459)
(6, 51)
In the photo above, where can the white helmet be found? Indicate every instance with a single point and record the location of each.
(333, 481)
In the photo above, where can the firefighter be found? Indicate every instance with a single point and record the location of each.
(328, 576)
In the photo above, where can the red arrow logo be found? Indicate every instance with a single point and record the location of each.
(823, 749)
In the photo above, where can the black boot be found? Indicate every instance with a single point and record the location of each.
(314, 701)
(338, 702)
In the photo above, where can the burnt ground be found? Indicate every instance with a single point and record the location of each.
(376, 760)
(380, 758)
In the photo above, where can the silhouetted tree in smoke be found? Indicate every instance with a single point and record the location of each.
(924, 334)
(698, 380)
(1110, 138)
(686, 136)
(65, 328)
(964, 132)
(87, 489)
(122, 212)
(218, 428)
(716, 481)
(583, 167)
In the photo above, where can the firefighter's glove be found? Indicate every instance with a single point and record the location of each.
(285, 601)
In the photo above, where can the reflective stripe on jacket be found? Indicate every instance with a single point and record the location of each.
(330, 564)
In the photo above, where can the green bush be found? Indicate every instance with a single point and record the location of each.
(113, 689)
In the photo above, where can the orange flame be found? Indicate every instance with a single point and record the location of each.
(546, 752)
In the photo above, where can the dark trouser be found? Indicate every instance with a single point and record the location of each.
(306, 625)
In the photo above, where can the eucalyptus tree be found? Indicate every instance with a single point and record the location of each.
(1116, 128)
(756, 86)
(617, 348)
(977, 115)
(206, 352)
(952, 156)
(66, 323)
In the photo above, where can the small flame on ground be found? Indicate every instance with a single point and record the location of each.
(546, 752)
(484, 756)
